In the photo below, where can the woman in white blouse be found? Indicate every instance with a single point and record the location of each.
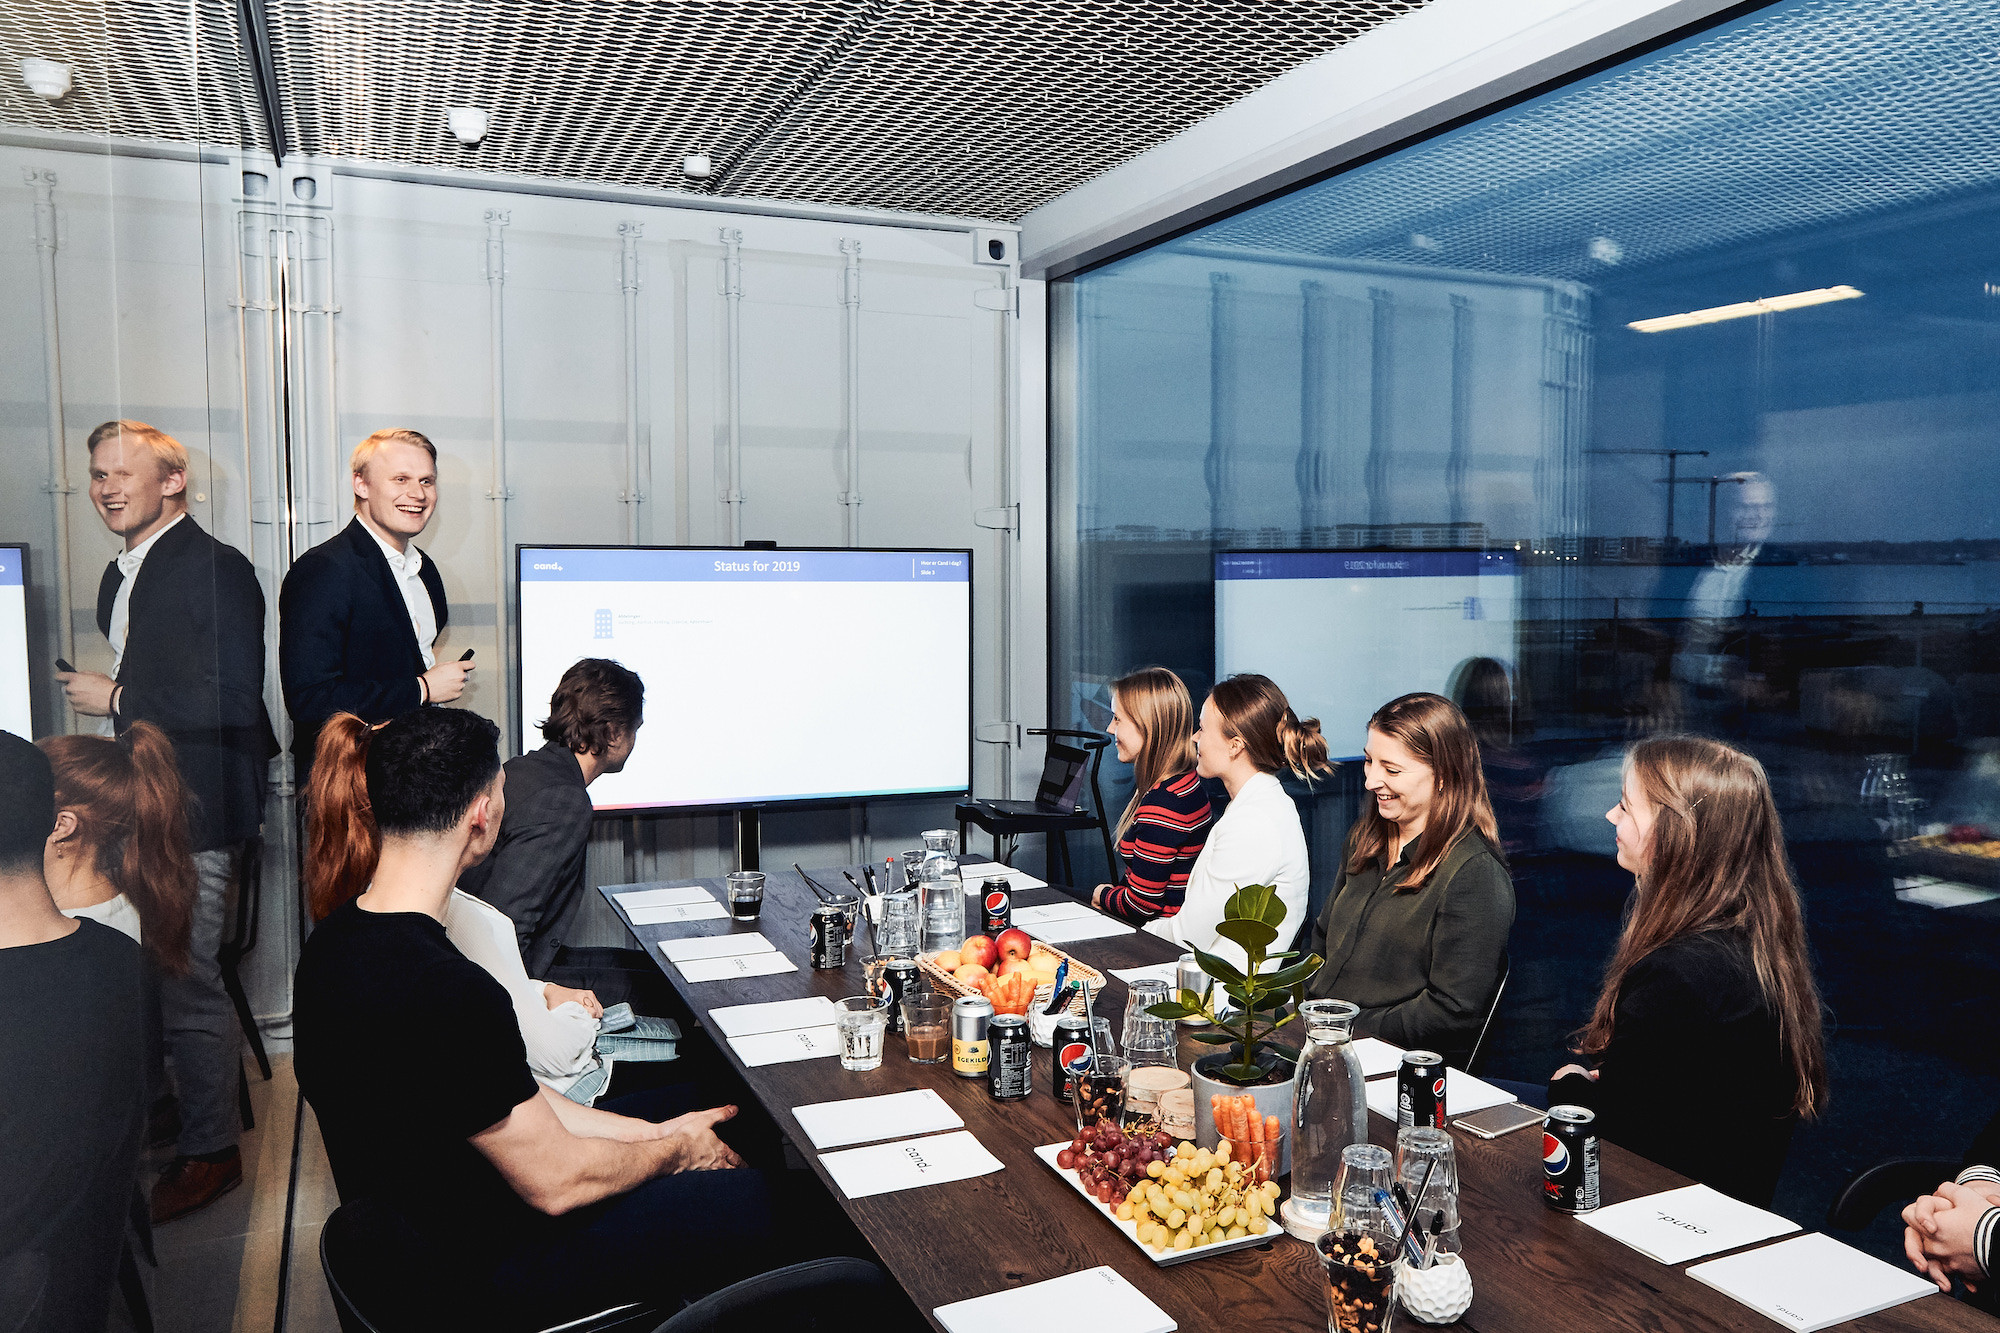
(1248, 732)
(558, 1025)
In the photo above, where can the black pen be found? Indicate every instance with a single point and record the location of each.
(855, 882)
(868, 873)
(822, 894)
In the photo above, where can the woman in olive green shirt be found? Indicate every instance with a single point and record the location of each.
(1417, 926)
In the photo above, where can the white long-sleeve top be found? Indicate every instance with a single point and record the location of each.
(1258, 840)
(561, 1041)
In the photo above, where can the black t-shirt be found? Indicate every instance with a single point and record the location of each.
(72, 1114)
(406, 1049)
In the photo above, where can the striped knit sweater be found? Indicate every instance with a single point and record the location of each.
(1159, 850)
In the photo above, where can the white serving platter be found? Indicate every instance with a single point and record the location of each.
(1169, 1256)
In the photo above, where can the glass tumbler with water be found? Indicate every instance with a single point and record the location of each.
(861, 1020)
(1329, 1114)
(1148, 1040)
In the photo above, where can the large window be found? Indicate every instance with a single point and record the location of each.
(1701, 356)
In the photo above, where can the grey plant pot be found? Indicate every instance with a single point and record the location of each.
(1272, 1099)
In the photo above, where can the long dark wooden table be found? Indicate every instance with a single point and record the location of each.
(1533, 1270)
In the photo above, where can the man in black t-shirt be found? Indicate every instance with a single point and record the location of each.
(72, 1078)
(531, 1209)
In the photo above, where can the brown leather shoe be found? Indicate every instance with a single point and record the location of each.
(188, 1186)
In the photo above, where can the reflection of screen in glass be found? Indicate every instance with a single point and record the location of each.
(16, 714)
(793, 675)
(1344, 632)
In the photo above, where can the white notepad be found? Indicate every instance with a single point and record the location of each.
(742, 1020)
(970, 873)
(898, 1115)
(663, 895)
(670, 914)
(1463, 1094)
(1071, 929)
(1046, 912)
(776, 1048)
(1812, 1282)
(1679, 1226)
(1099, 1299)
(714, 946)
(736, 965)
(1378, 1057)
(907, 1165)
(1167, 972)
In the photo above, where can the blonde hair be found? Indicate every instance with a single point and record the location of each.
(374, 444)
(1159, 705)
(171, 454)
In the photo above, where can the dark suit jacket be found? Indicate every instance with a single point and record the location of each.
(194, 667)
(345, 643)
(535, 871)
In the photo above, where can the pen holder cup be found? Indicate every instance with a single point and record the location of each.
(1439, 1294)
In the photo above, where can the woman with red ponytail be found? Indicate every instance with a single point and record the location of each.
(120, 853)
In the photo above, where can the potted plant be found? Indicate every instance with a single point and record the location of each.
(1252, 1063)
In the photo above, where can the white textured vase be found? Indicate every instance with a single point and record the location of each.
(1438, 1294)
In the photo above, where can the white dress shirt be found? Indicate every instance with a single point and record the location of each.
(121, 602)
(406, 565)
(116, 912)
(1258, 840)
(561, 1042)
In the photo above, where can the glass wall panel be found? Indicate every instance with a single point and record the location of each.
(1695, 364)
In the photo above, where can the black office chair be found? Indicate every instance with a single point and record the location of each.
(380, 1282)
(839, 1295)
(1486, 1024)
(1011, 819)
(1895, 1181)
(242, 939)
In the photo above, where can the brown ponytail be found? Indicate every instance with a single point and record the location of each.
(341, 840)
(132, 819)
(1253, 710)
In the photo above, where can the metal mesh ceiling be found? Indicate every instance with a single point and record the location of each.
(1799, 116)
(952, 106)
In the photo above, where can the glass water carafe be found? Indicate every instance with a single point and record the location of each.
(1329, 1114)
(943, 899)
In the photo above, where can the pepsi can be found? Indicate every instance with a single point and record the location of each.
(1009, 1075)
(1420, 1090)
(829, 938)
(899, 983)
(999, 913)
(1569, 1159)
(1070, 1043)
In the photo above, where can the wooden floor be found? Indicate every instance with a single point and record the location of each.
(224, 1269)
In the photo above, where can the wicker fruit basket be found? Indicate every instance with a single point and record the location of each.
(945, 984)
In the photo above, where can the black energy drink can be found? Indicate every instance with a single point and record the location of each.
(1010, 1071)
(998, 913)
(829, 938)
(1569, 1159)
(1420, 1090)
(1070, 1043)
(899, 981)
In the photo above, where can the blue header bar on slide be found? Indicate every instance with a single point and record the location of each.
(1361, 564)
(10, 566)
(732, 565)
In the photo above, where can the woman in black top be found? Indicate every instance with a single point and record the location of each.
(1705, 1043)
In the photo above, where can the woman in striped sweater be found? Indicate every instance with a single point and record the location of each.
(1167, 821)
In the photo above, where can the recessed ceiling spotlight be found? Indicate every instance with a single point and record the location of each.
(47, 79)
(467, 123)
(696, 166)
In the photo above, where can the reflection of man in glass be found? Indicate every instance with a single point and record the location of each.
(1717, 599)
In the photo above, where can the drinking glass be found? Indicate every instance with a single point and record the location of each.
(927, 1027)
(1100, 1094)
(913, 863)
(1366, 1173)
(746, 894)
(1148, 1040)
(1422, 1149)
(1329, 1114)
(1101, 1043)
(1361, 1276)
(850, 909)
(898, 937)
(861, 1020)
(872, 965)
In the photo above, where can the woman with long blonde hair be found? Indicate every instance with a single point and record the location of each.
(1166, 822)
(1709, 999)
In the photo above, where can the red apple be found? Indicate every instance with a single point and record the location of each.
(1014, 943)
(971, 974)
(1013, 965)
(979, 949)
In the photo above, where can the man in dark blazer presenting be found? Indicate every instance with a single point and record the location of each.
(360, 612)
(184, 616)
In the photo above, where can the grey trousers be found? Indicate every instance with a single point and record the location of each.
(203, 1039)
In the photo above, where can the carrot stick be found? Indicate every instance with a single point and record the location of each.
(1274, 1133)
(1254, 1130)
(1234, 1109)
(1243, 1137)
(1218, 1115)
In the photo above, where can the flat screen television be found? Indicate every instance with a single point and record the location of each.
(17, 712)
(773, 677)
(1344, 632)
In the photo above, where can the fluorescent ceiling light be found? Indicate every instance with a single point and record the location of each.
(1763, 305)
